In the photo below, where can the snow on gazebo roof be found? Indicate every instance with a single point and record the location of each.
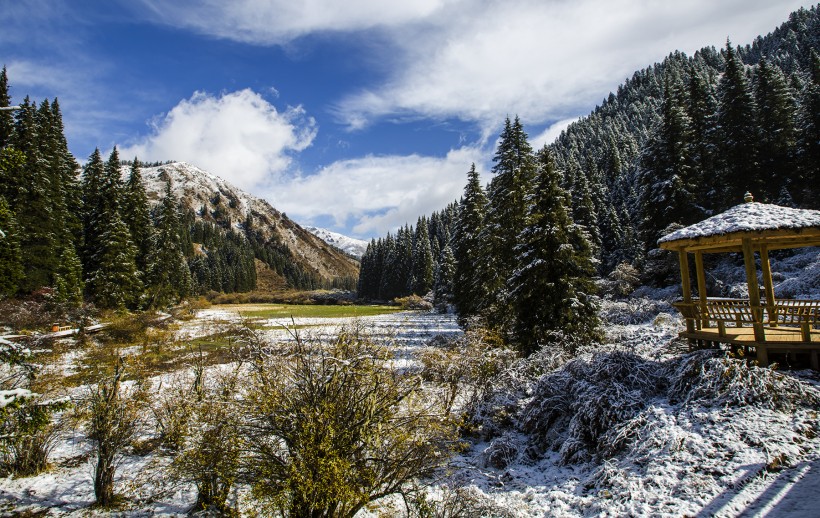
(761, 221)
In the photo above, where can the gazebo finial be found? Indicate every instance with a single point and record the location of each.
(748, 198)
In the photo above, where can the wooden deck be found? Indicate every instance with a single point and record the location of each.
(781, 327)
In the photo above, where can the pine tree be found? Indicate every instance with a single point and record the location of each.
(92, 216)
(469, 292)
(809, 144)
(444, 275)
(11, 265)
(115, 283)
(168, 276)
(6, 117)
(738, 133)
(552, 287)
(668, 179)
(68, 279)
(34, 205)
(777, 117)
(137, 214)
(422, 260)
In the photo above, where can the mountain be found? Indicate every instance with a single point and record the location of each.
(212, 199)
(350, 245)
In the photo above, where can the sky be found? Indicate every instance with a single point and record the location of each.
(356, 115)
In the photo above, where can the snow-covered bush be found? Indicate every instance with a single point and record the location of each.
(457, 502)
(595, 406)
(633, 310)
(27, 430)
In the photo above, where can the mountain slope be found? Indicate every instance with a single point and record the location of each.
(215, 200)
(350, 245)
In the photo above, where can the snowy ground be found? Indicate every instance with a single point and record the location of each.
(694, 458)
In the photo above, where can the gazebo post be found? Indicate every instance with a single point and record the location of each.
(768, 284)
(754, 301)
(686, 284)
(701, 288)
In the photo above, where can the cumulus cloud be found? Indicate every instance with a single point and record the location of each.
(238, 136)
(378, 193)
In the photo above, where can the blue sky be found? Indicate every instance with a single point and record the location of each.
(355, 115)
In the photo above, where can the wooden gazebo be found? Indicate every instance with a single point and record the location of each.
(769, 324)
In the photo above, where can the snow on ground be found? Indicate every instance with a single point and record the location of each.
(690, 455)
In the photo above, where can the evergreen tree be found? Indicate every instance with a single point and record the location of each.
(137, 214)
(738, 133)
(422, 260)
(34, 205)
(777, 114)
(444, 275)
(809, 161)
(668, 181)
(11, 265)
(68, 279)
(168, 276)
(93, 215)
(468, 290)
(552, 288)
(6, 117)
(115, 283)
(507, 207)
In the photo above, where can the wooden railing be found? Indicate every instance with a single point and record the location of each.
(784, 312)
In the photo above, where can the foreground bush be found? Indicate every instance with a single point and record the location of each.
(333, 426)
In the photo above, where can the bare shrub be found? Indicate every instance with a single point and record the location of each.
(332, 426)
(210, 449)
(413, 302)
(464, 367)
(113, 416)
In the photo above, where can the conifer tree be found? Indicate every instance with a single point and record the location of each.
(738, 133)
(444, 275)
(68, 279)
(168, 276)
(422, 260)
(552, 288)
(34, 205)
(137, 214)
(809, 168)
(468, 290)
(668, 181)
(11, 265)
(507, 208)
(115, 283)
(6, 117)
(777, 114)
(93, 216)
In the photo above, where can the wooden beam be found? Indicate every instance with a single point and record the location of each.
(701, 276)
(768, 284)
(754, 290)
(686, 285)
(788, 237)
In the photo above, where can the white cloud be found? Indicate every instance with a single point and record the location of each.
(549, 135)
(545, 60)
(379, 193)
(280, 21)
(238, 136)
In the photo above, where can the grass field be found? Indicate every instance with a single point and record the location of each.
(308, 311)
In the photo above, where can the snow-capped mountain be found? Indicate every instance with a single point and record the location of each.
(351, 245)
(216, 200)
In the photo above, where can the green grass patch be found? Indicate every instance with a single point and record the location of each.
(308, 311)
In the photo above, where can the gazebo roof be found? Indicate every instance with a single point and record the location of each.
(764, 224)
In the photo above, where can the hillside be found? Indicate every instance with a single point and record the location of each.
(214, 200)
(350, 245)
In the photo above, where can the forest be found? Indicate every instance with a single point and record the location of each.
(679, 141)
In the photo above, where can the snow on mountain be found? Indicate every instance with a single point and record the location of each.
(218, 201)
(351, 245)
